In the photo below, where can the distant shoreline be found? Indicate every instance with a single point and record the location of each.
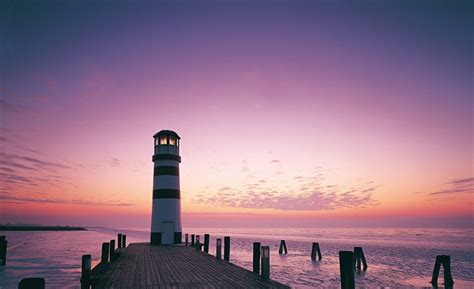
(40, 228)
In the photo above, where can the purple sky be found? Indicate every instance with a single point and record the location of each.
(309, 110)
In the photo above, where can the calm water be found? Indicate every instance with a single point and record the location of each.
(396, 257)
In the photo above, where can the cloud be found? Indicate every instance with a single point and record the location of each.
(457, 186)
(115, 162)
(4, 197)
(259, 195)
(24, 172)
(275, 161)
(32, 162)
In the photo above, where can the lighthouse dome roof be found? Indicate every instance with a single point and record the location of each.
(166, 132)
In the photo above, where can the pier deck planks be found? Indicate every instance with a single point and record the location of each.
(141, 265)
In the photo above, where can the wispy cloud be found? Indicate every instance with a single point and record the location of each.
(310, 195)
(9, 159)
(115, 162)
(457, 186)
(4, 197)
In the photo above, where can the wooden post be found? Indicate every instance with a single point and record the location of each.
(186, 239)
(124, 241)
(105, 253)
(282, 247)
(218, 248)
(198, 245)
(448, 278)
(206, 243)
(192, 240)
(119, 241)
(347, 269)
(112, 250)
(86, 271)
(356, 263)
(3, 250)
(444, 260)
(256, 257)
(358, 257)
(226, 248)
(315, 249)
(32, 283)
(266, 262)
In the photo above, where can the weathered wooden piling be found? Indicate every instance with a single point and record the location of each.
(444, 260)
(119, 240)
(282, 247)
(105, 252)
(347, 269)
(186, 239)
(256, 257)
(124, 241)
(206, 243)
(266, 262)
(358, 256)
(112, 250)
(32, 283)
(192, 240)
(3, 250)
(226, 248)
(218, 248)
(316, 250)
(86, 271)
(198, 243)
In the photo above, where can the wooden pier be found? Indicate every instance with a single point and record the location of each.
(142, 265)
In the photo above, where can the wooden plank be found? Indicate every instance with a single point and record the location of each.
(141, 265)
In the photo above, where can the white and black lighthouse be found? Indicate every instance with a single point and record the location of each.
(166, 211)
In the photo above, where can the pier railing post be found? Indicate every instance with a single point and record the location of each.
(282, 247)
(119, 241)
(206, 243)
(105, 253)
(226, 248)
(124, 241)
(444, 260)
(316, 250)
(112, 250)
(32, 283)
(266, 262)
(186, 239)
(358, 257)
(3, 250)
(347, 269)
(256, 257)
(192, 240)
(85, 271)
(218, 248)
(198, 243)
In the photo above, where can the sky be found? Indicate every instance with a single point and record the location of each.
(291, 113)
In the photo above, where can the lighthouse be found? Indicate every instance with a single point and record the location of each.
(166, 210)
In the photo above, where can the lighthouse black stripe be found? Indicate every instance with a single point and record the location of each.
(166, 170)
(166, 157)
(166, 194)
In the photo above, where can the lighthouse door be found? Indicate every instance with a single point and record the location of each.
(167, 230)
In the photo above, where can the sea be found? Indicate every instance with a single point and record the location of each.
(396, 257)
